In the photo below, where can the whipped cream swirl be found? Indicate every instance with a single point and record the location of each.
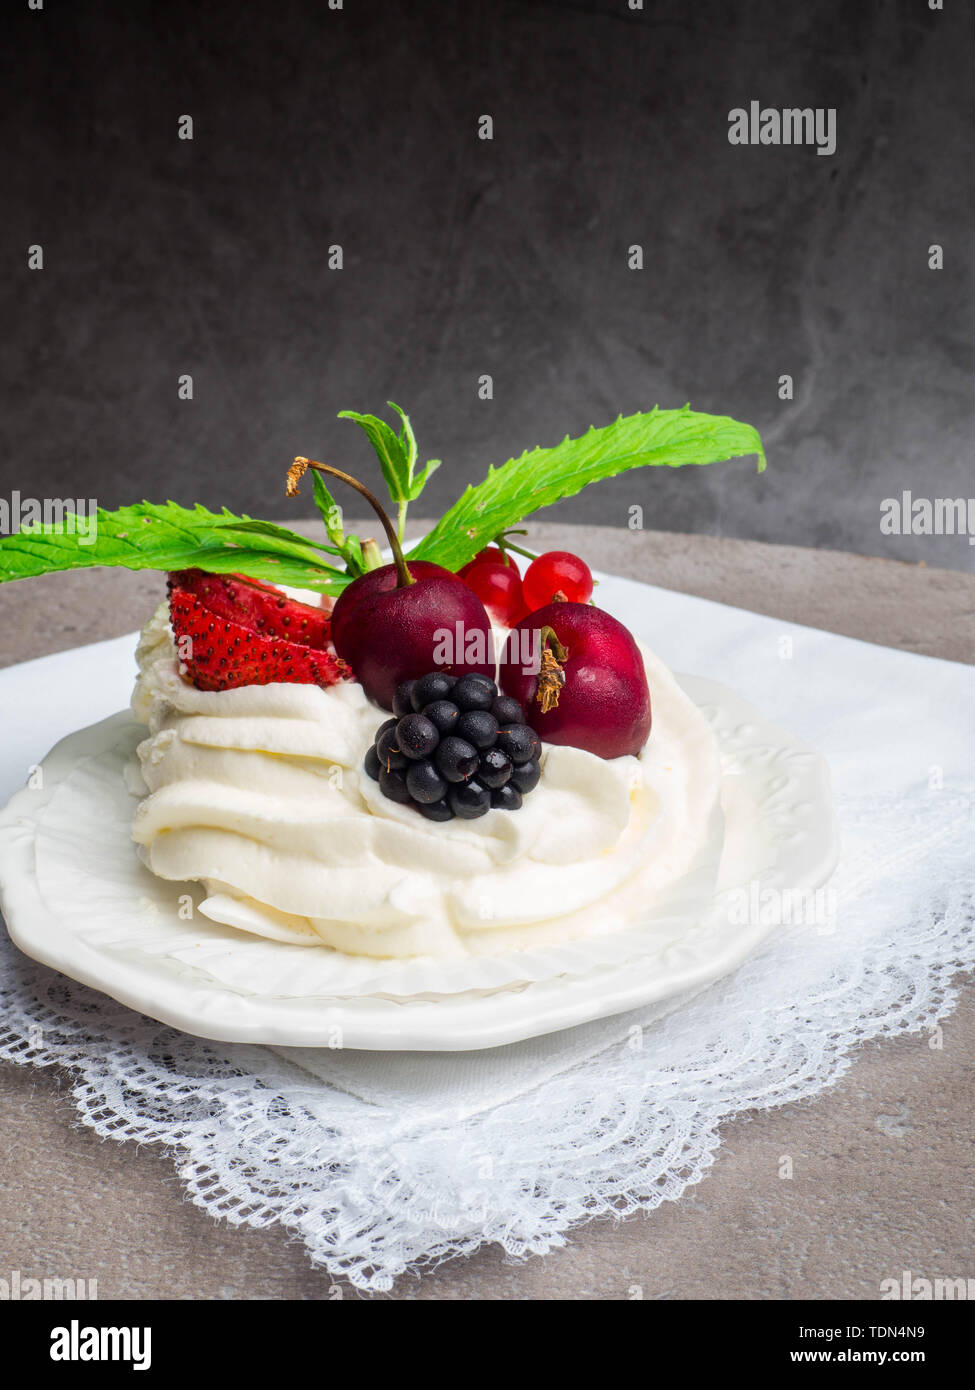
(259, 794)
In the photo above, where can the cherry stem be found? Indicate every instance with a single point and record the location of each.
(403, 576)
(549, 640)
(551, 677)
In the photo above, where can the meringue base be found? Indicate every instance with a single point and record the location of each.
(258, 793)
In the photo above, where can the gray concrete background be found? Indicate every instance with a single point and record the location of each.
(314, 126)
(883, 1162)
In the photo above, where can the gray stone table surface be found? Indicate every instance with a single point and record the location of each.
(883, 1161)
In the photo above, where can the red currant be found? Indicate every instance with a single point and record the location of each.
(556, 573)
(494, 554)
(498, 586)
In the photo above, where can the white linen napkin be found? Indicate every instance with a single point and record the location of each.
(384, 1161)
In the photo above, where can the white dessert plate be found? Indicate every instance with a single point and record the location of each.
(780, 845)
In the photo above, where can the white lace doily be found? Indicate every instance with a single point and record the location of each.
(386, 1163)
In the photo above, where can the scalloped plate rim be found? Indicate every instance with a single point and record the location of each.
(180, 1000)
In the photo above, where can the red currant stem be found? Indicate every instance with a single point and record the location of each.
(299, 467)
(506, 559)
(504, 544)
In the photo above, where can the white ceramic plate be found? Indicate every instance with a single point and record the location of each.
(780, 834)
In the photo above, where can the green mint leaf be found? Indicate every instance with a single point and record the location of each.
(397, 455)
(420, 482)
(248, 525)
(330, 510)
(165, 536)
(354, 556)
(539, 477)
(415, 484)
(347, 547)
(393, 456)
(407, 439)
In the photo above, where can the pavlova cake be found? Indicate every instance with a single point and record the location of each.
(440, 756)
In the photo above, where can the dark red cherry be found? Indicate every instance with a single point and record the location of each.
(390, 633)
(592, 683)
(379, 581)
(402, 621)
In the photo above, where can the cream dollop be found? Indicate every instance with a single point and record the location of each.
(259, 794)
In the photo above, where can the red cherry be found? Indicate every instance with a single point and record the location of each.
(498, 587)
(389, 633)
(493, 553)
(604, 704)
(398, 622)
(556, 572)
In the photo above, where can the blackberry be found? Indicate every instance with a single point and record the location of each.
(474, 692)
(477, 726)
(388, 752)
(456, 759)
(417, 736)
(506, 798)
(443, 713)
(507, 710)
(402, 704)
(469, 800)
(424, 783)
(525, 776)
(519, 742)
(454, 747)
(495, 768)
(436, 686)
(393, 785)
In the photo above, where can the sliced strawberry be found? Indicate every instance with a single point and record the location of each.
(243, 633)
(258, 606)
